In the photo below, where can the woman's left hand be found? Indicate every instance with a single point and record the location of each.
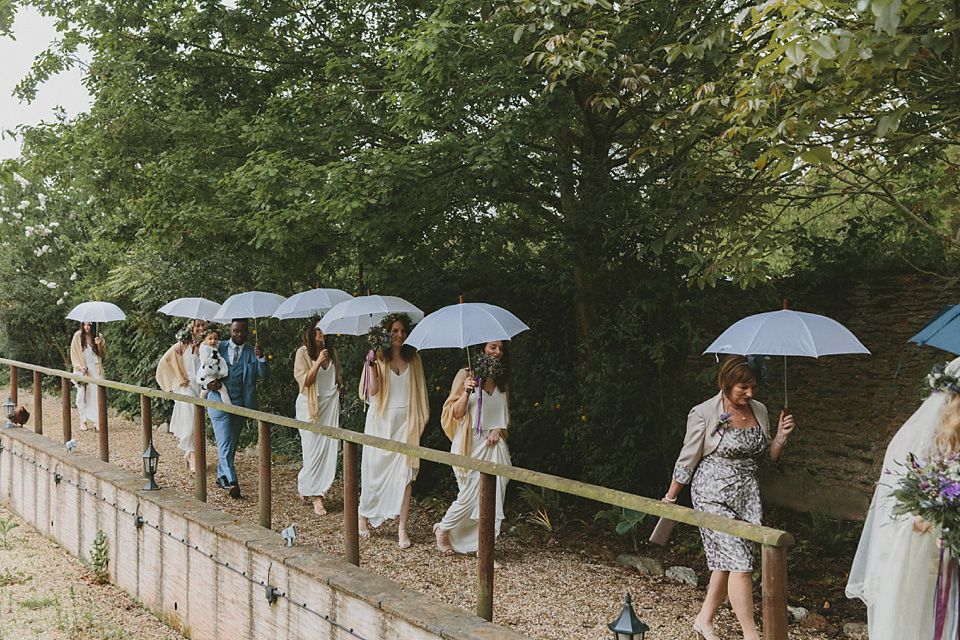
(786, 425)
(493, 437)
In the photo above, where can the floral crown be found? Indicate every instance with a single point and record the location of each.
(390, 318)
(208, 329)
(185, 334)
(938, 380)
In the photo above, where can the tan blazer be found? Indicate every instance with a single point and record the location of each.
(703, 437)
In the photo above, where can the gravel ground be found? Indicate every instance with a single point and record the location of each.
(541, 593)
(46, 593)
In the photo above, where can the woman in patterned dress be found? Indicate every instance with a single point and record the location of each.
(726, 437)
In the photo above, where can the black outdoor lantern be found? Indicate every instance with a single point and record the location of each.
(150, 458)
(8, 408)
(628, 626)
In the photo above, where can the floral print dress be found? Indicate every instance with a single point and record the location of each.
(725, 483)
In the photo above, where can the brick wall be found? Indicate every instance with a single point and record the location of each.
(205, 571)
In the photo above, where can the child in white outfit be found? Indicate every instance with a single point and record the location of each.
(212, 365)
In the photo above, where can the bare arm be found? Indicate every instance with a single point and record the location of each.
(784, 429)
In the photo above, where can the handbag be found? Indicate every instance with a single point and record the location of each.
(661, 532)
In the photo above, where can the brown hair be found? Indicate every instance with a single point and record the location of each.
(328, 344)
(208, 328)
(734, 370)
(406, 351)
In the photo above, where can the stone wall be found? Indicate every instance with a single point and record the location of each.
(849, 407)
(206, 572)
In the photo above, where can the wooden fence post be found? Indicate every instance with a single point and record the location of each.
(200, 453)
(265, 488)
(351, 503)
(774, 589)
(38, 402)
(146, 413)
(14, 384)
(102, 422)
(65, 409)
(488, 514)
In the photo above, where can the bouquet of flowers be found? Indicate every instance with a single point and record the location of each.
(931, 489)
(379, 338)
(487, 367)
(938, 381)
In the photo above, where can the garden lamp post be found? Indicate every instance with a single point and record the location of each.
(150, 458)
(8, 408)
(628, 626)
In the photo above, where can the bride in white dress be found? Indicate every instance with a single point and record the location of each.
(458, 531)
(399, 409)
(316, 369)
(86, 355)
(895, 569)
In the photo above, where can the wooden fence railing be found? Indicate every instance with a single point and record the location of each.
(774, 542)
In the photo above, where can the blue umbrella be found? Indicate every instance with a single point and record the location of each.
(942, 331)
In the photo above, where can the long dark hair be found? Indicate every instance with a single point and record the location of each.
(311, 344)
(93, 335)
(406, 351)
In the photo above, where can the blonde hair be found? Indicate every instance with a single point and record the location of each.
(948, 434)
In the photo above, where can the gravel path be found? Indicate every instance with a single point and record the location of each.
(47, 593)
(542, 593)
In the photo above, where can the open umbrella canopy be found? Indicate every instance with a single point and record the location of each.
(942, 331)
(191, 308)
(787, 333)
(461, 325)
(96, 311)
(309, 303)
(355, 316)
(249, 304)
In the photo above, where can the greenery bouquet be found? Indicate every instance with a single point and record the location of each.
(379, 338)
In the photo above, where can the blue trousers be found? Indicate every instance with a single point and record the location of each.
(226, 431)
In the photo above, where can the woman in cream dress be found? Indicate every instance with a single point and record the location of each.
(86, 354)
(317, 371)
(175, 375)
(397, 391)
(895, 569)
(458, 531)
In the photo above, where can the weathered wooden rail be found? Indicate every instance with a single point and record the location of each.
(774, 541)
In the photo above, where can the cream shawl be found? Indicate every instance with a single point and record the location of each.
(170, 372)
(418, 407)
(301, 368)
(77, 359)
(450, 424)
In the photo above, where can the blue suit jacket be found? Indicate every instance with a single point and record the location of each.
(241, 380)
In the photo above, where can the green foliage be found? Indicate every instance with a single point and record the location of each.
(8, 577)
(6, 526)
(822, 534)
(625, 522)
(99, 558)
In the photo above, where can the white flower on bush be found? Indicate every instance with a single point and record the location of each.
(60, 301)
(43, 201)
(73, 276)
(6, 209)
(28, 230)
(54, 224)
(39, 251)
(51, 285)
(23, 204)
(17, 215)
(23, 181)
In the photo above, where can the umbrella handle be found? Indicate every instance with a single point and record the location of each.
(785, 403)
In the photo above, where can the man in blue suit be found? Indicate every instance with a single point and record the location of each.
(245, 365)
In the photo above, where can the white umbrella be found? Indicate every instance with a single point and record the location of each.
(787, 333)
(250, 304)
(96, 311)
(191, 308)
(355, 316)
(309, 303)
(461, 325)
